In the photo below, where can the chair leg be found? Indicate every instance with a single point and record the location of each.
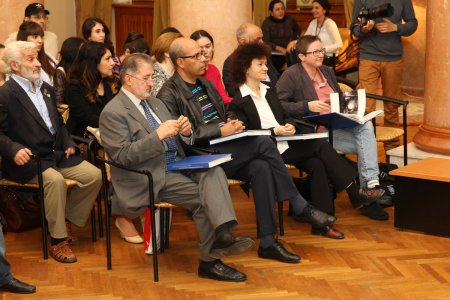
(93, 226)
(162, 229)
(100, 215)
(167, 227)
(43, 229)
(280, 217)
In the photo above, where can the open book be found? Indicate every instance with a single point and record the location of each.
(199, 162)
(299, 137)
(347, 110)
(239, 135)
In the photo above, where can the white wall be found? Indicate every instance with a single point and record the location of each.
(62, 19)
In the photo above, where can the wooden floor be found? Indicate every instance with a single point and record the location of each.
(374, 261)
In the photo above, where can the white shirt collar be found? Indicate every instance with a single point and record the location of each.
(136, 101)
(26, 84)
(246, 90)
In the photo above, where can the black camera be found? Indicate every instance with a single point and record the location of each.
(382, 11)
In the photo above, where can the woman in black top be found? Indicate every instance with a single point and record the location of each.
(89, 87)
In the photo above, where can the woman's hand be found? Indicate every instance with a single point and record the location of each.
(287, 129)
(386, 26)
(368, 27)
(291, 46)
(318, 106)
(231, 127)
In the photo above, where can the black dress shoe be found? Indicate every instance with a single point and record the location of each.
(328, 232)
(278, 252)
(315, 217)
(220, 271)
(375, 212)
(229, 245)
(18, 287)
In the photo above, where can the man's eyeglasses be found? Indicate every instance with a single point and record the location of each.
(146, 78)
(316, 53)
(197, 56)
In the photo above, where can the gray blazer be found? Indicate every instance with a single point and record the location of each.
(130, 140)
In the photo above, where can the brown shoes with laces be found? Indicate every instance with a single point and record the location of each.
(62, 253)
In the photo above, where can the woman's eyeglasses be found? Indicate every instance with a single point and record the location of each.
(316, 53)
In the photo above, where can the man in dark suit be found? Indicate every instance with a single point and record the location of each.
(30, 124)
(248, 33)
(142, 134)
(255, 159)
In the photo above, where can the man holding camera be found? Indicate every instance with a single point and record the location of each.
(379, 27)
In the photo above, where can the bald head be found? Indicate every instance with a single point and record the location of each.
(249, 33)
(185, 55)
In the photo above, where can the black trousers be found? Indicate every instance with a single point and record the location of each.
(318, 158)
(257, 160)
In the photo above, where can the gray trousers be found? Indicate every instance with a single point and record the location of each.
(206, 195)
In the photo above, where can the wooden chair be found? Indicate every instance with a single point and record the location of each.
(37, 188)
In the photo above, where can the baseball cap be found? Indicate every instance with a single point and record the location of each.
(35, 8)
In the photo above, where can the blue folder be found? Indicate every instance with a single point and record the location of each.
(199, 162)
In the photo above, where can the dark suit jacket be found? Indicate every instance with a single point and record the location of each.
(21, 126)
(226, 75)
(244, 109)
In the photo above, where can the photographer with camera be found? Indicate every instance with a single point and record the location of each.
(379, 25)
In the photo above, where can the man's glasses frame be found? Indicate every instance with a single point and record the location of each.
(197, 56)
(142, 79)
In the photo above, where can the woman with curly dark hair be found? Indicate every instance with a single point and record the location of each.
(88, 88)
(258, 107)
(32, 32)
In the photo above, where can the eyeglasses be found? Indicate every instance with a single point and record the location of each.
(197, 56)
(39, 17)
(146, 78)
(316, 53)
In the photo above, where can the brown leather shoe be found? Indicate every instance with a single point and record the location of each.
(62, 253)
(71, 238)
(329, 232)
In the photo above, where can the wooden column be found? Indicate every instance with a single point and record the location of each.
(434, 134)
(220, 18)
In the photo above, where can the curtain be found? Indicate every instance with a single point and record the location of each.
(348, 8)
(93, 8)
(260, 11)
(160, 17)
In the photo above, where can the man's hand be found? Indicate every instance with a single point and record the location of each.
(386, 26)
(368, 27)
(287, 129)
(22, 156)
(231, 127)
(185, 126)
(168, 129)
(318, 106)
(69, 151)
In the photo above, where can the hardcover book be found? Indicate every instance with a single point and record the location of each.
(199, 162)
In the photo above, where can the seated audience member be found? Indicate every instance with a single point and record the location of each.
(258, 107)
(135, 43)
(248, 33)
(138, 132)
(36, 12)
(326, 29)
(280, 33)
(88, 88)
(68, 53)
(30, 124)
(255, 159)
(169, 29)
(32, 32)
(2, 66)
(7, 281)
(95, 30)
(304, 89)
(163, 68)
(206, 43)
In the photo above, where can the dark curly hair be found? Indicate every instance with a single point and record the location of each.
(242, 58)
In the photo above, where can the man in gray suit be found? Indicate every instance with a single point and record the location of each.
(141, 134)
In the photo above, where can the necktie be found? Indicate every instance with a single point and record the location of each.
(170, 142)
